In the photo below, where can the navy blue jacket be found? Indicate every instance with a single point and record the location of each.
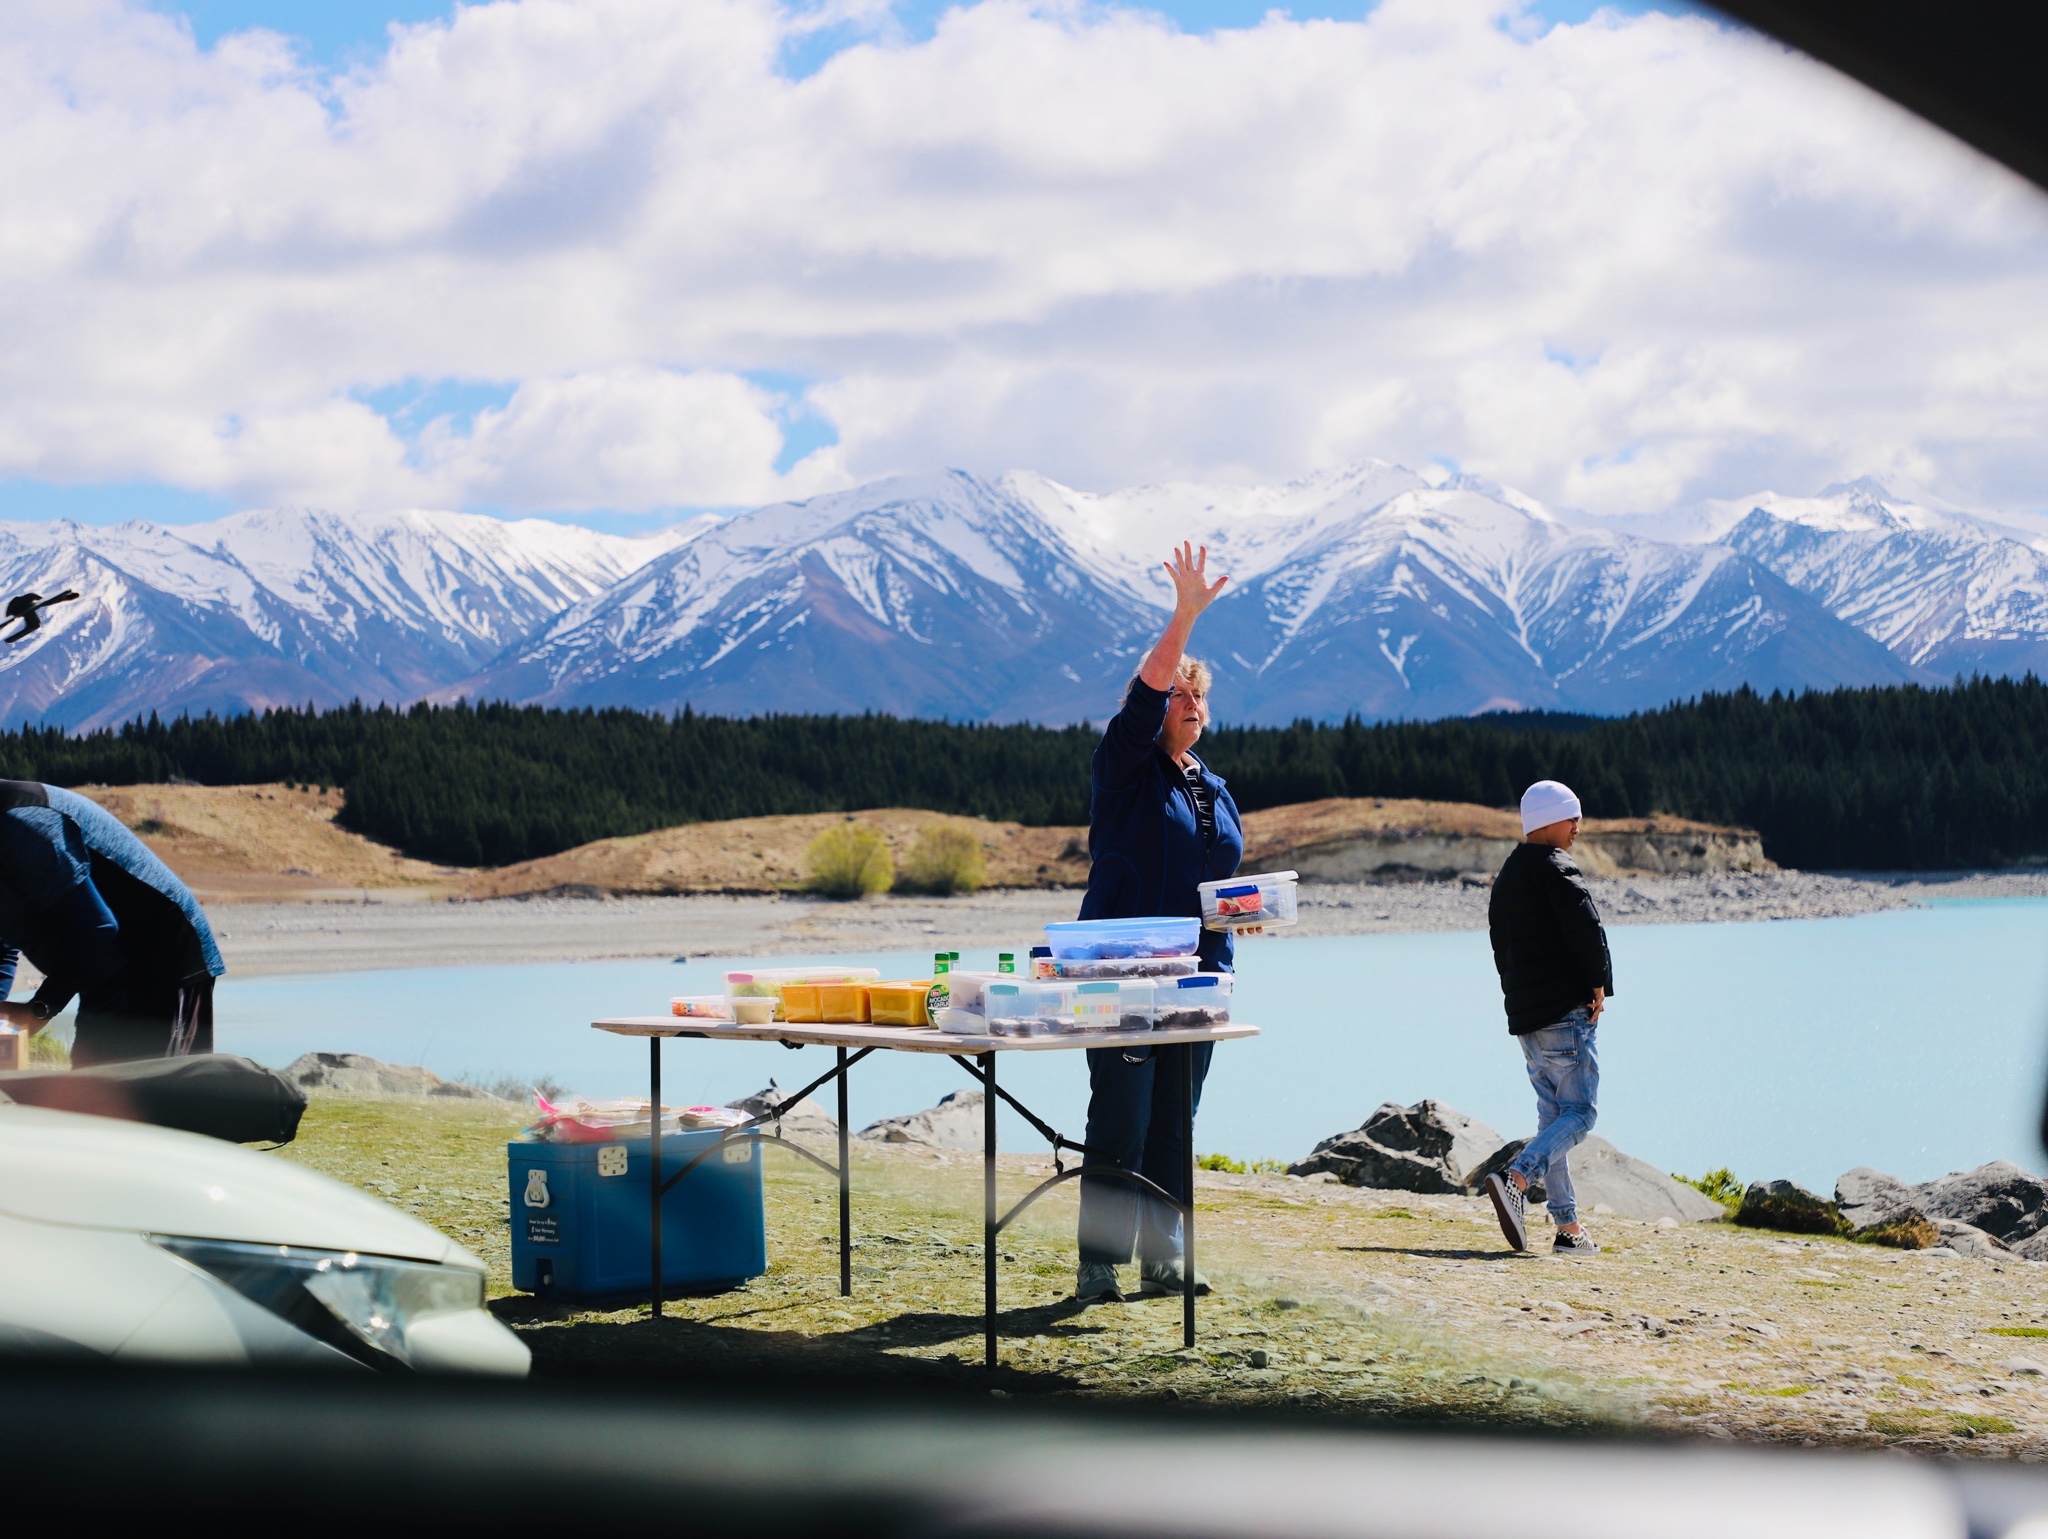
(88, 903)
(1142, 831)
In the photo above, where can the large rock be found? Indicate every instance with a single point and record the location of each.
(1602, 1176)
(1788, 1207)
(1870, 1199)
(1969, 1240)
(358, 1074)
(1428, 1147)
(802, 1120)
(1998, 1198)
(955, 1123)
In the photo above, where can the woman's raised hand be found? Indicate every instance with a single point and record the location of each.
(1192, 590)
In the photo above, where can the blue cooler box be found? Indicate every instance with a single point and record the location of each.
(579, 1217)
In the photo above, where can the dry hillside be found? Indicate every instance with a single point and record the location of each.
(274, 843)
(267, 843)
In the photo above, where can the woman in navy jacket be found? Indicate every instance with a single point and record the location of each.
(1159, 823)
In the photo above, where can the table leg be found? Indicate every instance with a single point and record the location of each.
(988, 1208)
(1187, 1228)
(654, 1177)
(845, 1193)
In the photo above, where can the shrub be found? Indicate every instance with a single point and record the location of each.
(945, 858)
(1721, 1185)
(849, 860)
(46, 1050)
(1914, 1233)
(1789, 1208)
(1229, 1166)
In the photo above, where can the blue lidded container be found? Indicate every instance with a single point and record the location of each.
(580, 1217)
(1093, 940)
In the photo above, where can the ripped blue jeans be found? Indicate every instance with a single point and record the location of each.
(1564, 1066)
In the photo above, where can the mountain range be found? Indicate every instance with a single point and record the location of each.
(1371, 591)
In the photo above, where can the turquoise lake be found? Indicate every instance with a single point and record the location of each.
(1914, 1041)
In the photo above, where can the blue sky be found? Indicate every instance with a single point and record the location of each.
(337, 33)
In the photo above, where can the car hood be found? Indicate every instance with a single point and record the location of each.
(100, 1173)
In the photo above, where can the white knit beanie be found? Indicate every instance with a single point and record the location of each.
(1547, 802)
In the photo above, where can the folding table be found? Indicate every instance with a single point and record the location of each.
(977, 1055)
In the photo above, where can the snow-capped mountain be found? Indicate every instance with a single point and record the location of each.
(284, 607)
(1949, 590)
(1367, 591)
(1371, 590)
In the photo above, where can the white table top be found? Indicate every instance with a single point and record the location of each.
(908, 1039)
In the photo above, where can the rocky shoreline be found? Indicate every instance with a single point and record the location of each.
(392, 930)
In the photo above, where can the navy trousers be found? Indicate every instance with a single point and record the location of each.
(1135, 1119)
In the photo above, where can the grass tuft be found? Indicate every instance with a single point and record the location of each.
(1229, 1166)
(1722, 1185)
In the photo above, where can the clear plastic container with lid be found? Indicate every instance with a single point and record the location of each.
(1243, 902)
(1025, 1007)
(1095, 940)
(1110, 1004)
(1124, 967)
(1202, 1000)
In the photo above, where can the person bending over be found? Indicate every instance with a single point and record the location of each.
(1555, 978)
(1159, 823)
(107, 924)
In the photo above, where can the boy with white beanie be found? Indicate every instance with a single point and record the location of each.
(1555, 977)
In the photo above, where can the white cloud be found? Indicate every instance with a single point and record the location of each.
(1622, 264)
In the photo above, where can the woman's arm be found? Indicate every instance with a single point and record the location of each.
(1192, 593)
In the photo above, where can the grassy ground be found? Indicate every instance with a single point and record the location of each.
(1329, 1299)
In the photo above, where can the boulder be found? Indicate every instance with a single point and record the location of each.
(1428, 1148)
(804, 1119)
(1969, 1240)
(1604, 1177)
(1870, 1199)
(955, 1123)
(1786, 1206)
(1999, 1198)
(358, 1074)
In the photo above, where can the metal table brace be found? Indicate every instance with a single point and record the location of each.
(992, 1223)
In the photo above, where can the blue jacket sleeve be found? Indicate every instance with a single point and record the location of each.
(1128, 742)
(85, 954)
(10, 959)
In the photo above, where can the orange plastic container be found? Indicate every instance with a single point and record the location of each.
(841, 1004)
(902, 1003)
(801, 1002)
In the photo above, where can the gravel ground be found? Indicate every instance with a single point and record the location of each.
(340, 937)
(1329, 1299)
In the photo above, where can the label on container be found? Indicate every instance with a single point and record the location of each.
(939, 997)
(543, 1229)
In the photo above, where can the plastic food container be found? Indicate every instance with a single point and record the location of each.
(841, 1004)
(1244, 901)
(1127, 967)
(901, 1003)
(753, 1011)
(1203, 1000)
(769, 982)
(709, 1007)
(1094, 940)
(963, 991)
(1026, 1007)
(1110, 1004)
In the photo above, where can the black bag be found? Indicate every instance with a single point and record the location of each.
(218, 1094)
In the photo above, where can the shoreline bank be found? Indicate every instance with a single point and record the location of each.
(398, 931)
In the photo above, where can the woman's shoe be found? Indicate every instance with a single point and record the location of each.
(1166, 1277)
(1095, 1282)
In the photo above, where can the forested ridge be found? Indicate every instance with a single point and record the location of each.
(1896, 778)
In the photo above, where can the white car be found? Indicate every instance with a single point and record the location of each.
(139, 1243)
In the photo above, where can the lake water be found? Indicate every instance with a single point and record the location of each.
(1914, 1040)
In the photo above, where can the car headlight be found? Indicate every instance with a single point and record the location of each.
(362, 1305)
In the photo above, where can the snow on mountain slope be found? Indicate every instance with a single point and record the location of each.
(1365, 592)
(283, 607)
(1949, 590)
(932, 596)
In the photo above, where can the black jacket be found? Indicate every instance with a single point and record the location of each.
(1548, 944)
